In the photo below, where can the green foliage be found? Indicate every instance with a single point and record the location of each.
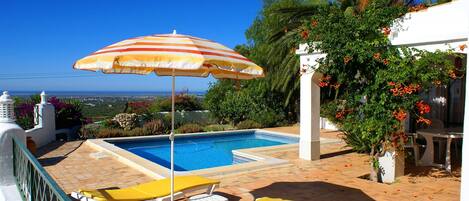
(98, 131)
(272, 43)
(215, 95)
(248, 124)
(25, 122)
(216, 127)
(190, 128)
(252, 101)
(268, 117)
(109, 123)
(89, 131)
(237, 105)
(111, 132)
(155, 127)
(182, 102)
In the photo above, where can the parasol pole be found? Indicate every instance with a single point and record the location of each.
(171, 136)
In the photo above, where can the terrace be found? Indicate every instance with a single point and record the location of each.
(337, 176)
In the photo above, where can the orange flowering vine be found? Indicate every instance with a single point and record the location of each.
(314, 23)
(399, 89)
(437, 82)
(385, 61)
(462, 47)
(377, 56)
(325, 81)
(418, 7)
(386, 31)
(423, 107)
(400, 115)
(305, 34)
(341, 114)
(452, 74)
(347, 59)
(424, 120)
(336, 85)
(398, 136)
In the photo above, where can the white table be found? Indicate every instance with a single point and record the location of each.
(428, 156)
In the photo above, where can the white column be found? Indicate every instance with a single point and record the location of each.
(465, 144)
(309, 105)
(309, 119)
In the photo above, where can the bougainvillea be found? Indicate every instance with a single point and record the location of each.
(24, 112)
(67, 113)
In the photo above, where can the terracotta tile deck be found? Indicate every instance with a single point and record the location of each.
(334, 177)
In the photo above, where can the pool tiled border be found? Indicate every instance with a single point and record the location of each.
(157, 171)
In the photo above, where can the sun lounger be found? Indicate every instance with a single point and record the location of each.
(158, 190)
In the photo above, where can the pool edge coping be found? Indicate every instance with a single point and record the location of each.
(157, 171)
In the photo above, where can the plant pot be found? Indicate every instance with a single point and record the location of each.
(391, 166)
(31, 145)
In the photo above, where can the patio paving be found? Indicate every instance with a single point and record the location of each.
(334, 177)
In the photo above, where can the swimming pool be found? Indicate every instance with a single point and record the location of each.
(203, 151)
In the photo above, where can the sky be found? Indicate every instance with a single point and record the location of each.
(44, 38)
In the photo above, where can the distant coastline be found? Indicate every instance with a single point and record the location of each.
(72, 94)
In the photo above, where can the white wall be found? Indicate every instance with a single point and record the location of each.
(438, 27)
(465, 149)
(44, 132)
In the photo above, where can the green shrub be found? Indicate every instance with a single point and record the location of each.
(214, 128)
(182, 101)
(253, 101)
(155, 127)
(111, 132)
(215, 95)
(109, 123)
(248, 124)
(268, 117)
(139, 131)
(89, 131)
(237, 106)
(190, 128)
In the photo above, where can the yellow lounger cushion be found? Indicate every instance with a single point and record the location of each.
(270, 199)
(150, 190)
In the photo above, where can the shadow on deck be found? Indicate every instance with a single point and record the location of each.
(315, 190)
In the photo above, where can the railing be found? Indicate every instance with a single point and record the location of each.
(32, 180)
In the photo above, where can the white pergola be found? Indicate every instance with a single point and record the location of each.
(440, 27)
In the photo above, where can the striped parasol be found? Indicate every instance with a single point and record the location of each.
(171, 55)
(165, 53)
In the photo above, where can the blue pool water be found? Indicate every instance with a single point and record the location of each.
(206, 151)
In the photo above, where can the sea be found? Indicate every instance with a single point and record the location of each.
(72, 94)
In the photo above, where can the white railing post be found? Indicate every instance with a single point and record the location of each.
(8, 130)
(7, 108)
(44, 119)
